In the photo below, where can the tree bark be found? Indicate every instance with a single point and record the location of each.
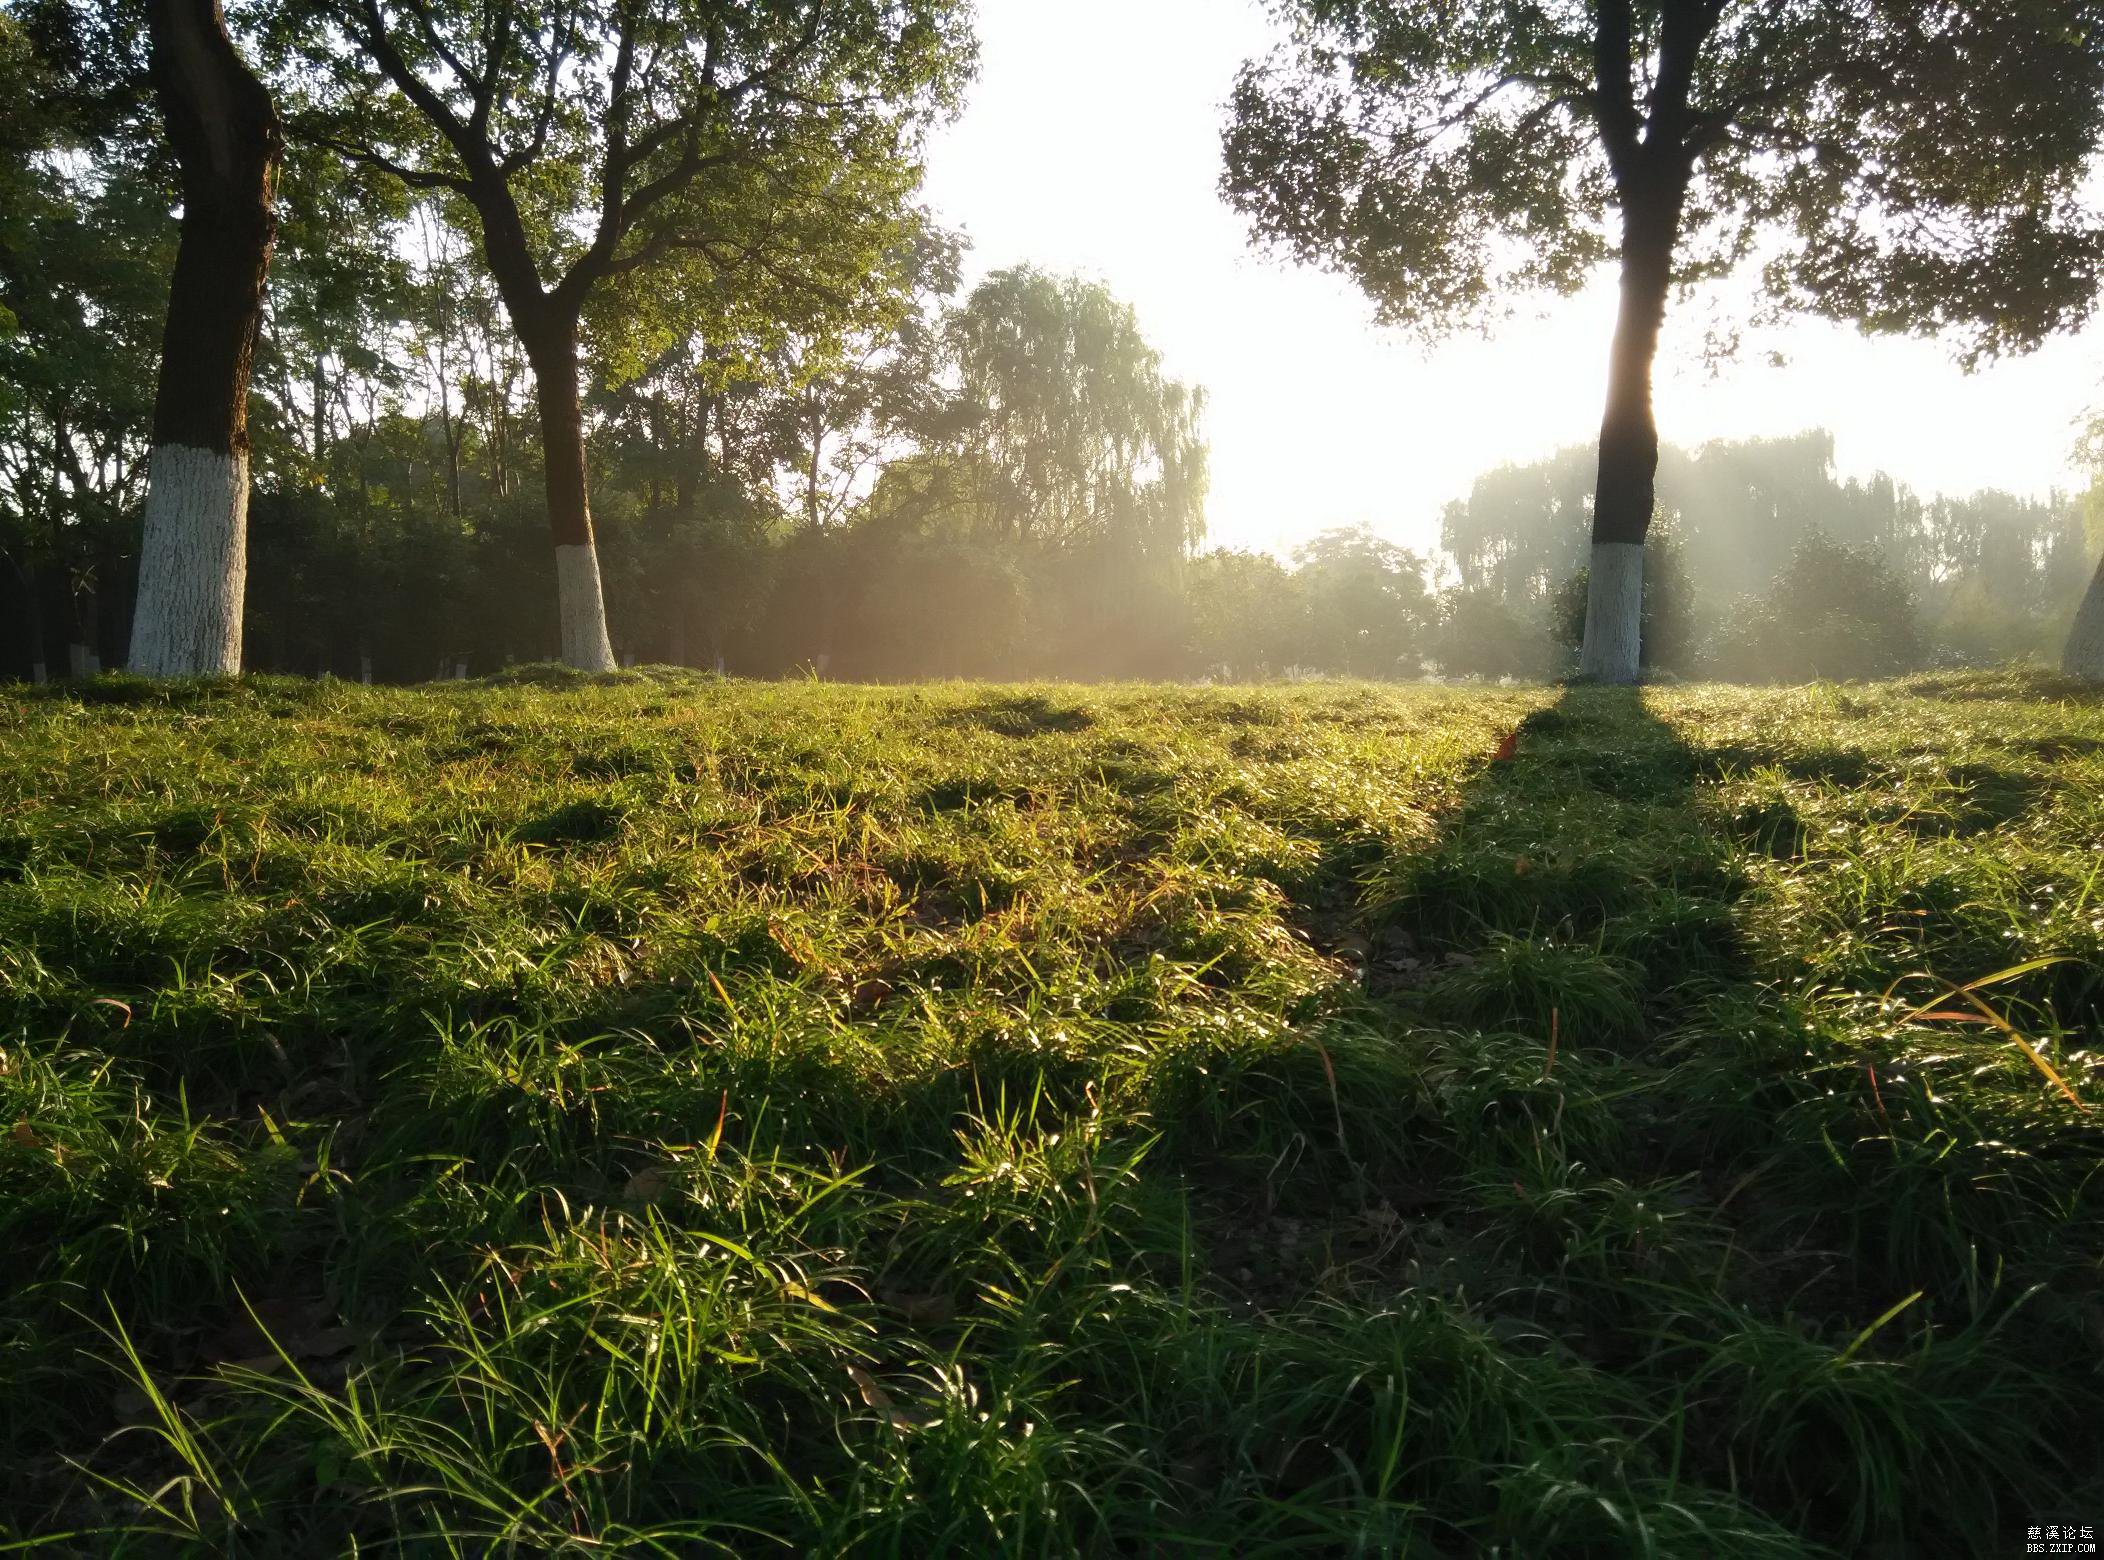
(694, 459)
(2084, 655)
(581, 601)
(1628, 470)
(194, 557)
(321, 412)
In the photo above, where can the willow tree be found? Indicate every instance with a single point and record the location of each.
(193, 558)
(609, 146)
(1907, 165)
(1072, 452)
(1069, 433)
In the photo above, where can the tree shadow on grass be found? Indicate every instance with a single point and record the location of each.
(1564, 1097)
(1539, 951)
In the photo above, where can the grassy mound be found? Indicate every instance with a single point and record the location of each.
(652, 1115)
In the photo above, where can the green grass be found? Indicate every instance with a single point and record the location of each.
(659, 1116)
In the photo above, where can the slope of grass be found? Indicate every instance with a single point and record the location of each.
(651, 1115)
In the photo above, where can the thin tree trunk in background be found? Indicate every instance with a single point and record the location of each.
(452, 429)
(580, 597)
(2084, 655)
(84, 602)
(33, 622)
(194, 556)
(683, 483)
(321, 411)
(695, 458)
(817, 434)
(1628, 470)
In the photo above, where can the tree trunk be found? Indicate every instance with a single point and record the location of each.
(452, 427)
(817, 433)
(1629, 436)
(33, 621)
(193, 561)
(2084, 656)
(582, 603)
(694, 459)
(321, 412)
(83, 604)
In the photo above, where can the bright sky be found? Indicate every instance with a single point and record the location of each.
(1091, 144)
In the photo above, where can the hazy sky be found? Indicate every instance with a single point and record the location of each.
(1091, 144)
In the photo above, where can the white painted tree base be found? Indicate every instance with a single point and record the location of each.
(1614, 613)
(2084, 656)
(193, 564)
(583, 605)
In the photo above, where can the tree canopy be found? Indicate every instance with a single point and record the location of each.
(1072, 432)
(1912, 167)
(696, 139)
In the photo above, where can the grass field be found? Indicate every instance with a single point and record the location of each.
(667, 1116)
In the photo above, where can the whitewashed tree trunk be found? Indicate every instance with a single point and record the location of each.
(365, 669)
(583, 608)
(2084, 655)
(39, 672)
(193, 564)
(1627, 492)
(1614, 613)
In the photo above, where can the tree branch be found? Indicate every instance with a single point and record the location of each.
(415, 178)
(1614, 105)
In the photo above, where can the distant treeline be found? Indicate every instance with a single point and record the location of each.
(999, 483)
(1765, 563)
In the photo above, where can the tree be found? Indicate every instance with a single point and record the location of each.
(1368, 606)
(849, 397)
(602, 141)
(2083, 653)
(85, 252)
(1247, 615)
(1071, 433)
(1065, 445)
(1480, 635)
(1666, 630)
(1907, 166)
(1835, 611)
(193, 559)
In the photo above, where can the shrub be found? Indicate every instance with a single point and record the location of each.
(1835, 612)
